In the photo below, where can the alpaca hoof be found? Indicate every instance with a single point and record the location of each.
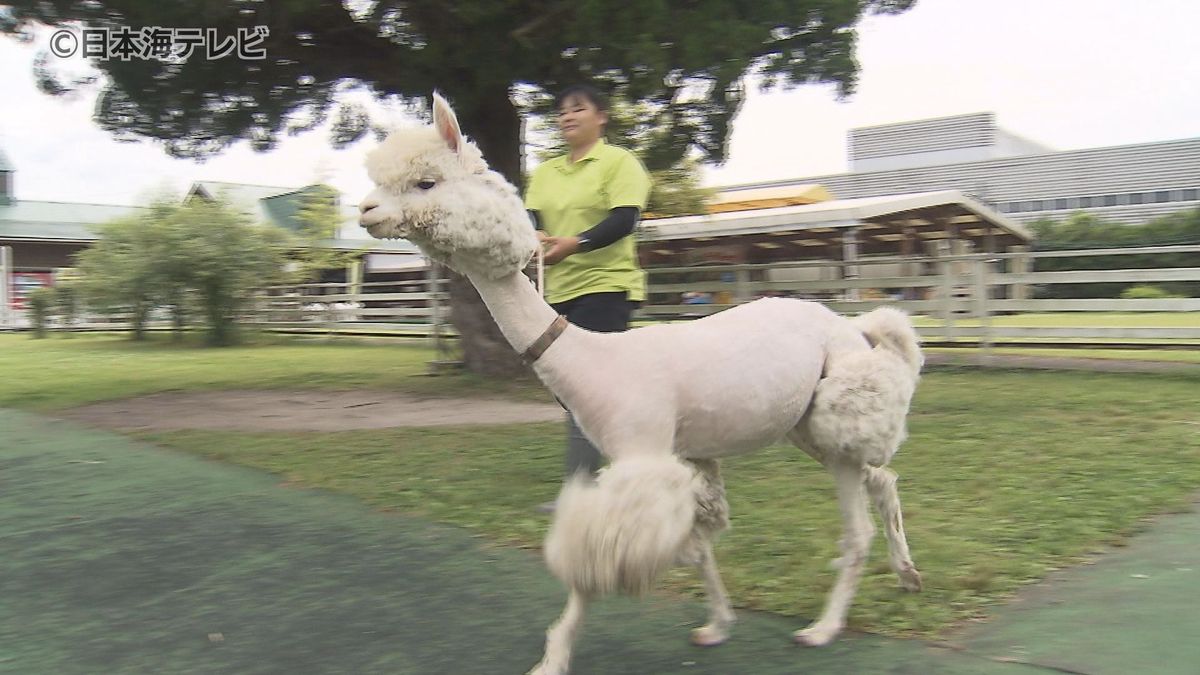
(910, 579)
(709, 636)
(815, 636)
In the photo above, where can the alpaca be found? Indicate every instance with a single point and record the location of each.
(664, 403)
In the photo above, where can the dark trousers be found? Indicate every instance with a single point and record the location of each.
(601, 313)
(598, 312)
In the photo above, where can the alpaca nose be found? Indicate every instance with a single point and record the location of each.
(367, 205)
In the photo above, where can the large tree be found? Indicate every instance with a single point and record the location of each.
(687, 61)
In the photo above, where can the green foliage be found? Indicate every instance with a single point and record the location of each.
(173, 255)
(1145, 292)
(66, 301)
(229, 257)
(677, 191)
(40, 302)
(319, 218)
(687, 60)
(118, 274)
(1086, 231)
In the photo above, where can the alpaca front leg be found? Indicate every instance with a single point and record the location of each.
(881, 484)
(561, 637)
(720, 613)
(855, 544)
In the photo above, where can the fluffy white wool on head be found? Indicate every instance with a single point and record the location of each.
(408, 156)
(471, 219)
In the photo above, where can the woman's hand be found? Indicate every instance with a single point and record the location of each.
(558, 248)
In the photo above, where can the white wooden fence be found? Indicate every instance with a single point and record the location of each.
(973, 299)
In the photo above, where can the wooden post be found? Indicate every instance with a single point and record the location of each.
(981, 306)
(5, 285)
(849, 257)
(946, 301)
(433, 289)
(354, 275)
(1019, 265)
(741, 285)
(909, 269)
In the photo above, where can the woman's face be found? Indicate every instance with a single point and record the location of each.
(579, 121)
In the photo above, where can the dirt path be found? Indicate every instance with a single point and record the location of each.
(306, 410)
(302, 411)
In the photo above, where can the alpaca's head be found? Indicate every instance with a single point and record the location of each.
(434, 189)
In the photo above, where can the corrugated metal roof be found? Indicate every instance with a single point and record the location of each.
(40, 231)
(67, 221)
(835, 214)
(57, 221)
(63, 212)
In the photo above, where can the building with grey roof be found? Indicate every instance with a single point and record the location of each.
(44, 236)
(1022, 179)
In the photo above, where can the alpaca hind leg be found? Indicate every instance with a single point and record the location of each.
(881, 485)
(855, 544)
(561, 637)
(720, 613)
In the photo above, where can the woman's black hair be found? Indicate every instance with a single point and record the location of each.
(586, 92)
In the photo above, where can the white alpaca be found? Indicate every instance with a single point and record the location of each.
(664, 402)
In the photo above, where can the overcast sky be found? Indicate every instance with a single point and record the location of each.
(1066, 73)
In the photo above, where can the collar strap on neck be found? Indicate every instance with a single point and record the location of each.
(546, 339)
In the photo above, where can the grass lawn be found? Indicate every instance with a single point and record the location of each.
(1006, 476)
(1079, 319)
(63, 371)
(1173, 355)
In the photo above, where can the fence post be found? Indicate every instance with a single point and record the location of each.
(849, 258)
(941, 249)
(1019, 265)
(981, 307)
(740, 285)
(5, 285)
(441, 342)
(330, 319)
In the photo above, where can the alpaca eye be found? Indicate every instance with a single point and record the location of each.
(426, 184)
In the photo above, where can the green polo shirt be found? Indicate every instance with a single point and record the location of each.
(572, 197)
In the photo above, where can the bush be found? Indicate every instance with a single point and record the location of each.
(40, 301)
(201, 252)
(1145, 292)
(66, 303)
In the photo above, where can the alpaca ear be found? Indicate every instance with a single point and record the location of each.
(446, 123)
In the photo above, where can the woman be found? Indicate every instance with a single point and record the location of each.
(585, 205)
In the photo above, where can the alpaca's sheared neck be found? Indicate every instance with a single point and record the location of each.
(515, 304)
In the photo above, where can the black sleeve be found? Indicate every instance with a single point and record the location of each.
(619, 223)
(535, 219)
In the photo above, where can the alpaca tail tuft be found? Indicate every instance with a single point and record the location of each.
(621, 533)
(891, 329)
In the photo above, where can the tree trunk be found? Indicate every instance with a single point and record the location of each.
(492, 122)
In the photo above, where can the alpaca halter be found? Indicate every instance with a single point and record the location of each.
(544, 341)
